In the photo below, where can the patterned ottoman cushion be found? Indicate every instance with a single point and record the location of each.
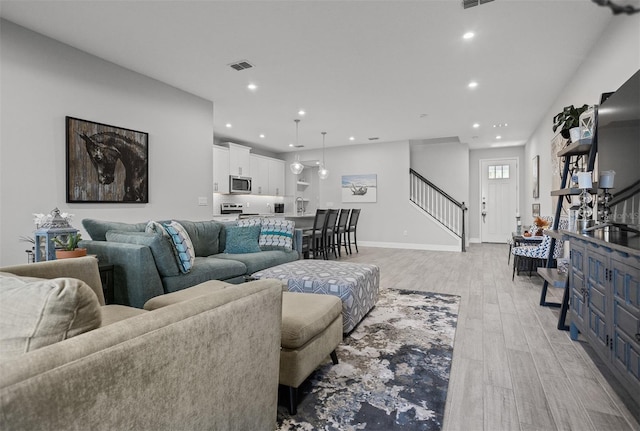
(356, 284)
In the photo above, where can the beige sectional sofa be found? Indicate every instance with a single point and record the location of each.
(207, 363)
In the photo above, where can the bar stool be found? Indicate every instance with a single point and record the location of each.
(328, 233)
(339, 239)
(313, 243)
(351, 228)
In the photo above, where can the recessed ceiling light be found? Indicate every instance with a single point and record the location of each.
(351, 138)
(228, 125)
(252, 87)
(301, 112)
(291, 145)
(473, 84)
(262, 135)
(498, 137)
(476, 125)
(468, 35)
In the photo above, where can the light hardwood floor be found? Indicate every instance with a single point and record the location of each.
(512, 369)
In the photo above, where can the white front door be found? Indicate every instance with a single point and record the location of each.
(498, 199)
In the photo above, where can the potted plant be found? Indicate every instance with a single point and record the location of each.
(69, 248)
(569, 119)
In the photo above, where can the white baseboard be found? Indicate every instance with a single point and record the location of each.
(410, 246)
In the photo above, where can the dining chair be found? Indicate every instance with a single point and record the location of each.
(351, 228)
(328, 233)
(313, 244)
(513, 243)
(533, 256)
(339, 239)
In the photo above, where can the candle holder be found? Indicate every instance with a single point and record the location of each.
(605, 201)
(585, 211)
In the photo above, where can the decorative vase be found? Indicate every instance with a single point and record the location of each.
(65, 254)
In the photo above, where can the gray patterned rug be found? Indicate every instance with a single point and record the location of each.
(393, 371)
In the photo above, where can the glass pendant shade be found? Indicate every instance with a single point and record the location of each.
(296, 167)
(323, 172)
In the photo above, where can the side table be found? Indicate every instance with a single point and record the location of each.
(106, 276)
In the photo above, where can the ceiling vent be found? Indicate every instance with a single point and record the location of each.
(374, 138)
(471, 3)
(241, 65)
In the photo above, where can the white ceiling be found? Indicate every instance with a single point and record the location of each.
(396, 70)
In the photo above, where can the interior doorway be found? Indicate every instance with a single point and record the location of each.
(498, 198)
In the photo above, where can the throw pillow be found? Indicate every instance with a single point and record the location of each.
(38, 313)
(182, 246)
(242, 239)
(255, 221)
(161, 248)
(276, 234)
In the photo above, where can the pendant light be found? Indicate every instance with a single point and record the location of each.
(296, 167)
(323, 172)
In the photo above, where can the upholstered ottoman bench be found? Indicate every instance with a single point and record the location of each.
(310, 332)
(356, 284)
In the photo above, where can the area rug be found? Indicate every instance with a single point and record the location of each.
(393, 371)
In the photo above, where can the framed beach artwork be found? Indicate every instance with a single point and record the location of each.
(360, 188)
(106, 163)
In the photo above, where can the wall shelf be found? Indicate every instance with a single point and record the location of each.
(582, 147)
(302, 183)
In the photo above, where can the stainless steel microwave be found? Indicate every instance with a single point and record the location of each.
(239, 184)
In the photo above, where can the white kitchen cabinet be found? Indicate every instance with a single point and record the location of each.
(220, 169)
(276, 177)
(260, 175)
(239, 160)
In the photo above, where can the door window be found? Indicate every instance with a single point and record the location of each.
(498, 172)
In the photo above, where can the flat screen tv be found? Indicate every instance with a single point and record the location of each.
(618, 138)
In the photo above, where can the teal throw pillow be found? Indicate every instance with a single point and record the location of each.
(242, 239)
(182, 246)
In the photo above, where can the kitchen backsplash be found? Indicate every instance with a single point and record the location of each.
(252, 204)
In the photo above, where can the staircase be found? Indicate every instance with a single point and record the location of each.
(438, 204)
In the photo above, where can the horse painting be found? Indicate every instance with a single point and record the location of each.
(106, 148)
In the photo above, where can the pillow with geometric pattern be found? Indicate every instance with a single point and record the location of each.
(182, 246)
(276, 234)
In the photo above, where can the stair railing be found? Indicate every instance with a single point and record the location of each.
(438, 204)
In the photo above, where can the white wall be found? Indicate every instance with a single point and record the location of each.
(384, 222)
(42, 81)
(612, 60)
(444, 164)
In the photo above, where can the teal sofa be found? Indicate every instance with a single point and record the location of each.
(144, 267)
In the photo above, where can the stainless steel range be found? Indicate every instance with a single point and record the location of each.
(231, 208)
